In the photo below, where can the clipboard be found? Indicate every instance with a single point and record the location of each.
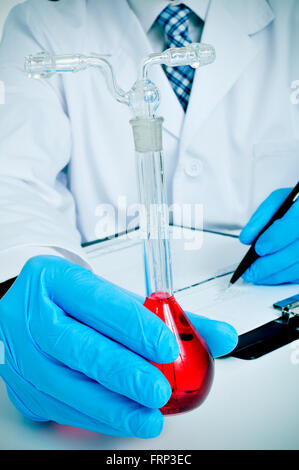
(271, 335)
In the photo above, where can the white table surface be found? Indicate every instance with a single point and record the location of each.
(252, 405)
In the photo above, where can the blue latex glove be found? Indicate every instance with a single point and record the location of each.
(75, 347)
(278, 246)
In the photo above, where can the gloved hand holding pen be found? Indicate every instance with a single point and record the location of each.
(278, 246)
(76, 350)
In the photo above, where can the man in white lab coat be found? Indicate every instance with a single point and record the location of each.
(66, 148)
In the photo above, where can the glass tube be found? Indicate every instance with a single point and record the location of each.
(154, 215)
(154, 222)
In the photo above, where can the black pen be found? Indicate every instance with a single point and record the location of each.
(251, 254)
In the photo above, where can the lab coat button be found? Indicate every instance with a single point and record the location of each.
(193, 167)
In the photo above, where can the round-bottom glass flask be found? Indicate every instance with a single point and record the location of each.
(191, 374)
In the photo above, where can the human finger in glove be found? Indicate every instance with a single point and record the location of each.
(278, 246)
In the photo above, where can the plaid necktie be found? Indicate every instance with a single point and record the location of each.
(174, 20)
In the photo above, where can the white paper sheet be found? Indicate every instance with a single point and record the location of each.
(244, 306)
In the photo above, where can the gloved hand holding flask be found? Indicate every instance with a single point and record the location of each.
(77, 350)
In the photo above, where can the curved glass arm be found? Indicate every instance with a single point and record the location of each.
(195, 55)
(45, 65)
(143, 98)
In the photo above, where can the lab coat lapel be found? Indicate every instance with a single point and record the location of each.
(170, 107)
(227, 30)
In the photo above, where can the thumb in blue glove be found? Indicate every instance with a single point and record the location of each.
(278, 246)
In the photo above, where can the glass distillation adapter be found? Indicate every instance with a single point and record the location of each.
(191, 374)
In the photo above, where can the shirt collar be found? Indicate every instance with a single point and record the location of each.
(148, 10)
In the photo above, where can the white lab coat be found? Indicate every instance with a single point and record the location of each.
(66, 146)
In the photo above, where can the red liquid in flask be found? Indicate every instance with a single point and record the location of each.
(191, 374)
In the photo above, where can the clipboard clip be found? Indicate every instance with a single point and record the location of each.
(289, 309)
